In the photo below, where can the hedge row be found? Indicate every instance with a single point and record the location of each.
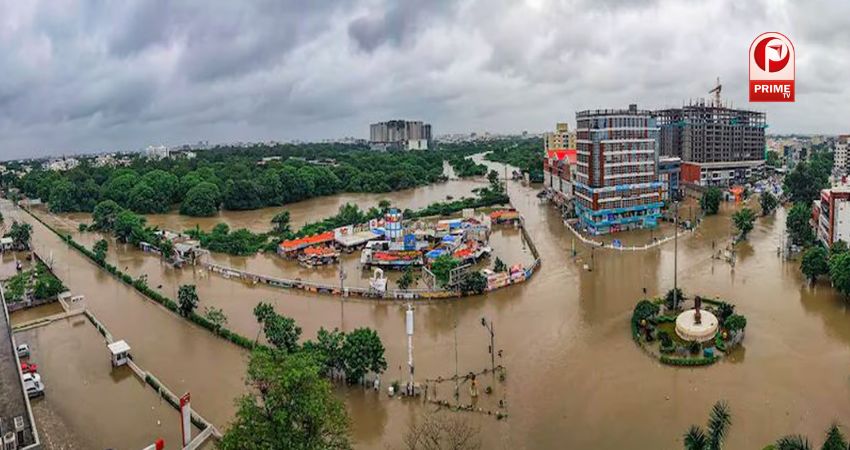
(674, 361)
(145, 290)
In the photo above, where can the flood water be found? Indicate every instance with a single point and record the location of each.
(88, 404)
(574, 379)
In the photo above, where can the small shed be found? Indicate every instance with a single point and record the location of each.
(6, 243)
(120, 352)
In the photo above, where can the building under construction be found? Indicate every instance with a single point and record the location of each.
(718, 145)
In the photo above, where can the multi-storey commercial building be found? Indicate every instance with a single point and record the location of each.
(831, 215)
(842, 158)
(616, 186)
(718, 145)
(559, 171)
(561, 139)
(400, 135)
(669, 170)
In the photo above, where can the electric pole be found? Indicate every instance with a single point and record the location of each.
(676, 256)
(489, 326)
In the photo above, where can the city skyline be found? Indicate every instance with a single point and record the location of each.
(92, 78)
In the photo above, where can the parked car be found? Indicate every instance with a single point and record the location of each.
(23, 350)
(32, 384)
(28, 368)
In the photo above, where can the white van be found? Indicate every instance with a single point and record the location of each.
(32, 384)
(23, 351)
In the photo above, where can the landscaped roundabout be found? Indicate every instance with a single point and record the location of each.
(679, 331)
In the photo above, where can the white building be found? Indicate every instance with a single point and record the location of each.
(157, 152)
(61, 165)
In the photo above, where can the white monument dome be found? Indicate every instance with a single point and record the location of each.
(688, 329)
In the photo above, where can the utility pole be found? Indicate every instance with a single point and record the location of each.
(457, 381)
(342, 276)
(506, 178)
(676, 256)
(489, 326)
(409, 326)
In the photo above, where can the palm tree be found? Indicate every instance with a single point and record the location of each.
(715, 433)
(795, 442)
(834, 441)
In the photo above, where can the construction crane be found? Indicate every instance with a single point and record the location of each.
(716, 91)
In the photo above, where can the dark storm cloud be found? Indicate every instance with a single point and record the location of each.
(98, 75)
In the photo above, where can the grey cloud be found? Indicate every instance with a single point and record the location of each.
(100, 75)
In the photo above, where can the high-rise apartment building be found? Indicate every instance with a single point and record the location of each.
(616, 186)
(718, 145)
(400, 135)
(842, 158)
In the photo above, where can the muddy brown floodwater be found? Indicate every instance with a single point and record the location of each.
(574, 379)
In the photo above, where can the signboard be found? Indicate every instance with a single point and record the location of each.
(772, 68)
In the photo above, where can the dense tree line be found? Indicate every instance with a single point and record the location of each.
(466, 167)
(233, 178)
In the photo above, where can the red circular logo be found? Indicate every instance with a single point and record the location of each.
(772, 54)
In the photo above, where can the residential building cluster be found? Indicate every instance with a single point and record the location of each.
(400, 135)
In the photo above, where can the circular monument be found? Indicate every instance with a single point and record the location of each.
(696, 325)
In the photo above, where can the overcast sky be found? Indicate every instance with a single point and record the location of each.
(82, 76)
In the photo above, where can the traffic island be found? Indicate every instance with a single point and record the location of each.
(686, 332)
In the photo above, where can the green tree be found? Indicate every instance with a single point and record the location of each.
(837, 247)
(442, 266)
(644, 310)
(104, 215)
(328, 347)
(839, 272)
(280, 331)
(499, 265)
(797, 224)
(216, 317)
(772, 159)
(289, 406)
(384, 205)
(406, 279)
(281, 223)
(744, 220)
(128, 226)
(144, 200)
(165, 186)
(795, 442)
(201, 200)
(166, 249)
(241, 195)
(804, 183)
(735, 323)
(100, 248)
(362, 352)
(714, 435)
(63, 197)
(710, 201)
(473, 283)
(725, 310)
(814, 263)
(118, 189)
(21, 234)
(187, 299)
(768, 203)
(674, 298)
(835, 439)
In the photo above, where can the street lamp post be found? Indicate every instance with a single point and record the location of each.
(676, 256)
(489, 326)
